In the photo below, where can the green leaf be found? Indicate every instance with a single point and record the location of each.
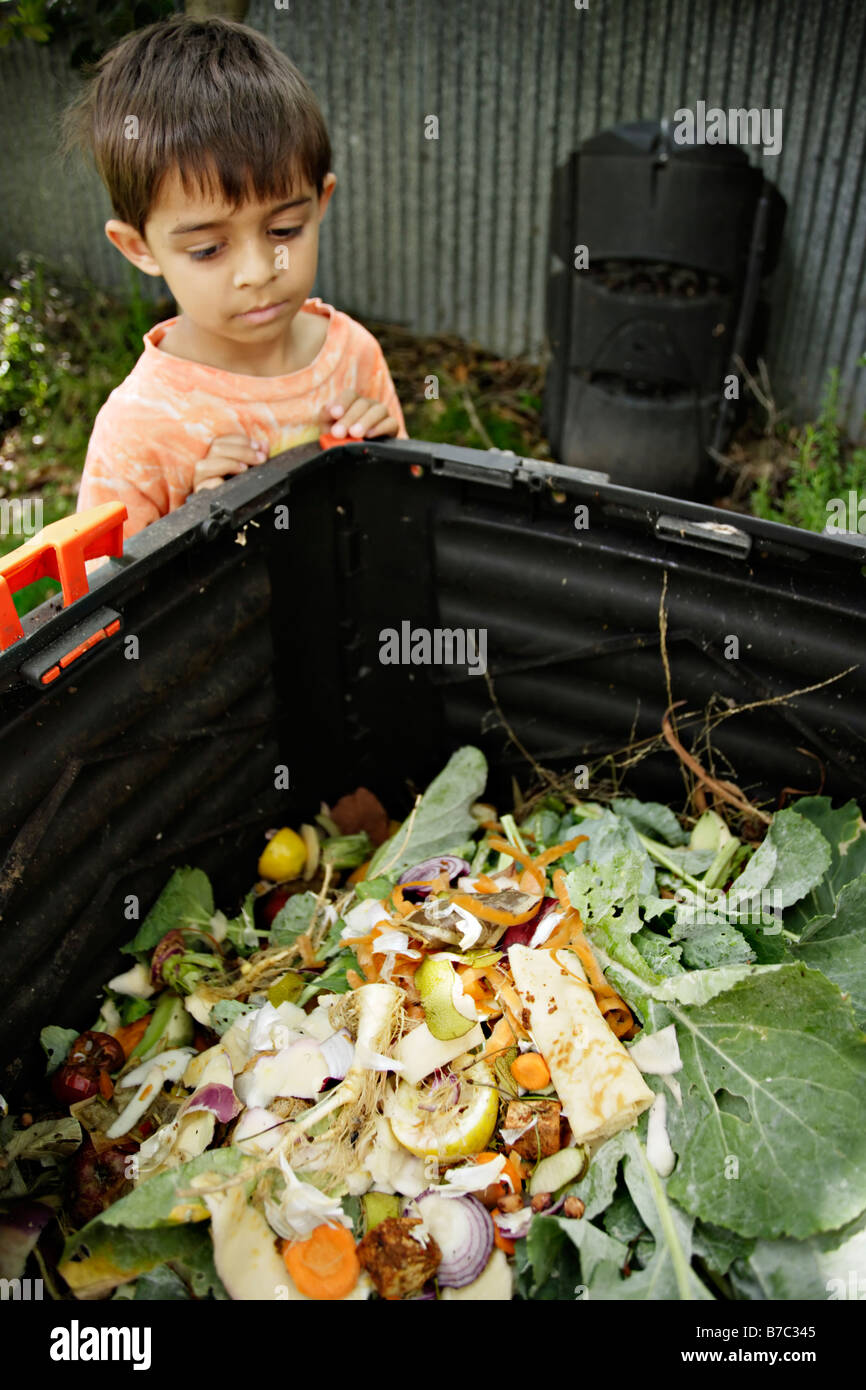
(653, 819)
(333, 980)
(115, 1255)
(347, 851)
(668, 1274)
(790, 862)
(662, 957)
(56, 1043)
(378, 888)
(837, 945)
(770, 1135)
(555, 1264)
(845, 831)
(597, 1189)
(241, 930)
(293, 919)
(719, 1248)
(442, 819)
(132, 1009)
(226, 1012)
(708, 947)
(826, 1267)
(160, 1284)
(185, 901)
(152, 1202)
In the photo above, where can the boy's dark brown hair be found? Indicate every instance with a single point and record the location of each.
(212, 98)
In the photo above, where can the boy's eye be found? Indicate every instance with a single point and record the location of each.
(208, 253)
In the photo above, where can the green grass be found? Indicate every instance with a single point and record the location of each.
(824, 467)
(63, 348)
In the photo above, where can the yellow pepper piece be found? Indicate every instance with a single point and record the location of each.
(283, 857)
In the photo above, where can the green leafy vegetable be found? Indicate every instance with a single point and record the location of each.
(442, 819)
(668, 1275)
(845, 831)
(347, 851)
(651, 818)
(226, 1012)
(293, 919)
(241, 930)
(790, 862)
(56, 1043)
(770, 1135)
(185, 901)
(826, 1267)
(374, 888)
(837, 945)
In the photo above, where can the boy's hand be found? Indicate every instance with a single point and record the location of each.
(230, 453)
(358, 417)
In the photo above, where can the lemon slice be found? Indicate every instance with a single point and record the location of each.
(450, 1132)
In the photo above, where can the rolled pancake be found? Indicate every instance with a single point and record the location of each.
(600, 1087)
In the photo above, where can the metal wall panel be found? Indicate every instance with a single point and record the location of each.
(449, 235)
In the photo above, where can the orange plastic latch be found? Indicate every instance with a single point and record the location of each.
(58, 552)
(327, 441)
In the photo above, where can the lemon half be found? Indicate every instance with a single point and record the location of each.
(466, 1130)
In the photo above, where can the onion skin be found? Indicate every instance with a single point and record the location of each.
(172, 944)
(522, 934)
(430, 869)
(463, 1266)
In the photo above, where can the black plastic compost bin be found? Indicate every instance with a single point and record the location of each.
(259, 646)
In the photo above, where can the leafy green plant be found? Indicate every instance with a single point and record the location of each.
(92, 28)
(64, 346)
(823, 468)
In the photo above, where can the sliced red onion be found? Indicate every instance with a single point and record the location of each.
(339, 1052)
(462, 1228)
(421, 875)
(522, 935)
(221, 1101)
(514, 1225)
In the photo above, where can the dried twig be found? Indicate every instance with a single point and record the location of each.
(725, 791)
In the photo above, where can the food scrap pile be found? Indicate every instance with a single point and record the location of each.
(465, 1058)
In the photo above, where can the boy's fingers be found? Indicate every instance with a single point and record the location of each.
(356, 412)
(358, 428)
(212, 471)
(238, 453)
(388, 426)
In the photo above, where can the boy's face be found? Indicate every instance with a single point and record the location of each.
(260, 254)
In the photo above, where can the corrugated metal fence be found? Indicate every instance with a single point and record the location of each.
(450, 235)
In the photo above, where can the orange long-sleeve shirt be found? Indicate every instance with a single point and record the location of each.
(162, 419)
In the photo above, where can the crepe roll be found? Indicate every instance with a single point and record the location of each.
(598, 1084)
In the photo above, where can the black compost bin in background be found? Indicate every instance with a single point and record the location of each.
(258, 616)
(679, 238)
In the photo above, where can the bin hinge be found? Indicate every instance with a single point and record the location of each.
(717, 536)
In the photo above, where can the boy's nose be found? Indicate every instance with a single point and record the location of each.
(255, 268)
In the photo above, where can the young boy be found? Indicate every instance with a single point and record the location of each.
(217, 160)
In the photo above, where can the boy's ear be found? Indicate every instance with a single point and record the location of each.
(131, 245)
(329, 183)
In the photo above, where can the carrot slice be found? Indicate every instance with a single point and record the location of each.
(493, 914)
(531, 1071)
(520, 857)
(131, 1034)
(325, 1265)
(556, 851)
(502, 1242)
